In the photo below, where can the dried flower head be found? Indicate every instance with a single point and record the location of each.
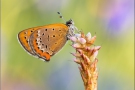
(86, 54)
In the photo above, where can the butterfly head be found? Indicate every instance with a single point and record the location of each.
(70, 22)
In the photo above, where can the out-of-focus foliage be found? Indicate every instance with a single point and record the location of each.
(111, 20)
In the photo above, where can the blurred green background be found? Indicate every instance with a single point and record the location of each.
(111, 20)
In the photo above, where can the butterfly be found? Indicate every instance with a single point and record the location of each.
(45, 41)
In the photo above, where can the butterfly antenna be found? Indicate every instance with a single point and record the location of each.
(61, 16)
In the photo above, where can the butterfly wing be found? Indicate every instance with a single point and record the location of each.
(24, 36)
(47, 41)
